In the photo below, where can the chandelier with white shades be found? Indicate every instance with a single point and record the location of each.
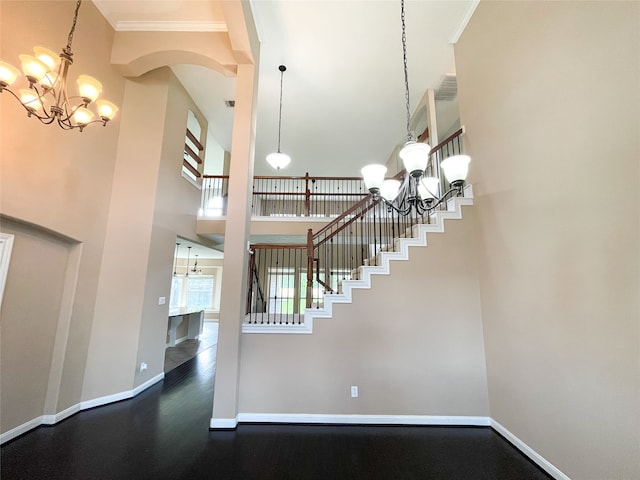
(417, 191)
(46, 97)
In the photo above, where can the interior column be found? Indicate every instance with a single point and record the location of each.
(234, 284)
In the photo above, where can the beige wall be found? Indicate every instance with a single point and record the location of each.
(174, 215)
(550, 96)
(413, 344)
(29, 328)
(59, 181)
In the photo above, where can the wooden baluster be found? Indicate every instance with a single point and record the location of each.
(307, 195)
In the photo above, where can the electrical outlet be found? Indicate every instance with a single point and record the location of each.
(354, 391)
(162, 300)
(143, 366)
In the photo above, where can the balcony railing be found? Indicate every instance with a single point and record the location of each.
(307, 196)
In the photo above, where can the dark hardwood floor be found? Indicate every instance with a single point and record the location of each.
(162, 434)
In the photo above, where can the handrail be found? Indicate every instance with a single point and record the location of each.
(338, 219)
(267, 246)
(361, 214)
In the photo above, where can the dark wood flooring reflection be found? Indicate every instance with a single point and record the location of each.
(162, 434)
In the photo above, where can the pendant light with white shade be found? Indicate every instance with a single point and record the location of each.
(278, 159)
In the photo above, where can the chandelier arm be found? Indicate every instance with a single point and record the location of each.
(444, 197)
(47, 119)
(397, 208)
(66, 124)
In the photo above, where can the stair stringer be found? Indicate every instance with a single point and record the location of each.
(420, 233)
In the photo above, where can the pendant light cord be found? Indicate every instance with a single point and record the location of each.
(406, 75)
(282, 69)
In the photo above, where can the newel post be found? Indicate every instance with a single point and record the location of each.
(307, 195)
(250, 279)
(309, 268)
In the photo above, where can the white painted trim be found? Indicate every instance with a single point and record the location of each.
(6, 245)
(149, 383)
(58, 417)
(223, 423)
(98, 402)
(170, 26)
(547, 466)
(464, 22)
(364, 419)
(20, 429)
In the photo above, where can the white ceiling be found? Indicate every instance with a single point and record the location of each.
(343, 101)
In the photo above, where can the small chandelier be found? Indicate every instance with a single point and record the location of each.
(278, 159)
(419, 192)
(47, 73)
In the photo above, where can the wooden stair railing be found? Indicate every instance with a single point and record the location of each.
(338, 250)
(281, 196)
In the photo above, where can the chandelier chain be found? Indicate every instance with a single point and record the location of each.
(406, 75)
(280, 112)
(67, 50)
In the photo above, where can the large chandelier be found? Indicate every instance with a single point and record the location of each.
(46, 97)
(278, 159)
(417, 191)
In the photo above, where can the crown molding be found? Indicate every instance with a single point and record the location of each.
(463, 23)
(170, 26)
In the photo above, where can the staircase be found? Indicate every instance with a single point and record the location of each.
(361, 277)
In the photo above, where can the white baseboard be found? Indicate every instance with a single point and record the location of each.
(364, 419)
(20, 429)
(529, 452)
(149, 383)
(58, 417)
(223, 423)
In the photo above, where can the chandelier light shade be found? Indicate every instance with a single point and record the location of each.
(428, 187)
(456, 168)
(416, 192)
(373, 176)
(415, 157)
(46, 97)
(390, 189)
(278, 159)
